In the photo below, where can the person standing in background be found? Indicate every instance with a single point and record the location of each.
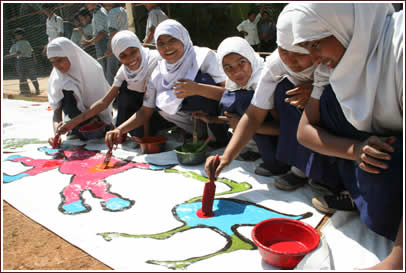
(248, 28)
(25, 62)
(54, 23)
(155, 16)
(267, 33)
(100, 33)
(116, 21)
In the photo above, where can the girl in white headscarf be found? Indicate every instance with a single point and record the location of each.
(184, 81)
(75, 83)
(284, 78)
(129, 83)
(358, 118)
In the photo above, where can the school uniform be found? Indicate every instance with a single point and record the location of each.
(116, 21)
(99, 24)
(364, 98)
(198, 64)
(88, 30)
(155, 16)
(25, 66)
(133, 84)
(252, 30)
(84, 84)
(54, 27)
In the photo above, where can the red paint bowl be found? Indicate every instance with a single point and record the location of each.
(284, 242)
(152, 144)
(93, 130)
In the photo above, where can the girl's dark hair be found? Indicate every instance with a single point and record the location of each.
(251, 12)
(84, 12)
(19, 31)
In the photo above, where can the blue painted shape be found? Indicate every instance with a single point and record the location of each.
(13, 157)
(162, 167)
(48, 150)
(226, 214)
(74, 207)
(117, 203)
(11, 178)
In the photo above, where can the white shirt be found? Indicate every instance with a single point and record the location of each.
(139, 86)
(155, 16)
(273, 73)
(24, 47)
(251, 29)
(54, 27)
(208, 66)
(117, 19)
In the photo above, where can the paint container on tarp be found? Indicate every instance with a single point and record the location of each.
(284, 242)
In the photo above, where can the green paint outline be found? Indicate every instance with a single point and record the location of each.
(13, 143)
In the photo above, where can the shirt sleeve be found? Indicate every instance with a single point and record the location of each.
(119, 78)
(240, 27)
(59, 24)
(150, 95)
(211, 67)
(100, 23)
(321, 79)
(257, 18)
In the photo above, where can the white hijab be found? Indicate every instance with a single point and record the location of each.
(186, 67)
(275, 69)
(361, 76)
(123, 40)
(240, 46)
(85, 77)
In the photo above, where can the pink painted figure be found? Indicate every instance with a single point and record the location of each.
(85, 166)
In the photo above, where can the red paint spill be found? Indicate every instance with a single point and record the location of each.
(52, 163)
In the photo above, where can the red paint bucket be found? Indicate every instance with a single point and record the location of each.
(284, 242)
(152, 144)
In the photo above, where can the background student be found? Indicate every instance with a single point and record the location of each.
(26, 60)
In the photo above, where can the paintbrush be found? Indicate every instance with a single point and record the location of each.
(208, 194)
(107, 159)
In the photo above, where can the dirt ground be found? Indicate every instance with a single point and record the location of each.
(28, 245)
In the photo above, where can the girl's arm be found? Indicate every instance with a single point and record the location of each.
(133, 122)
(186, 88)
(318, 139)
(369, 154)
(95, 109)
(246, 128)
(56, 120)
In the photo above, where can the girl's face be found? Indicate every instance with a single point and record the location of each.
(237, 68)
(108, 6)
(61, 63)
(131, 58)
(84, 20)
(91, 6)
(170, 48)
(328, 51)
(295, 61)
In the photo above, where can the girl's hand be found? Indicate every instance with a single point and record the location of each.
(232, 120)
(202, 116)
(51, 141)
(185, 88)
(112, 137)
(63, 127)
(299, 95)
(212, 169)
(372, 154)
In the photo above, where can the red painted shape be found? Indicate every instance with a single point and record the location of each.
(52, 163)
(208, 196)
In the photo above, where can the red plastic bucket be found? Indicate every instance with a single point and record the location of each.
(284, 242)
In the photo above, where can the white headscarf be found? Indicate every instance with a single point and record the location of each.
(186, 67)
(275, 70)
(362, 79)
(284, 36)
(120, 42)
(85, 77)
(240, 46)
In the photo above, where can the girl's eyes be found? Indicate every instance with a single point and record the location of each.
(315, 44)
